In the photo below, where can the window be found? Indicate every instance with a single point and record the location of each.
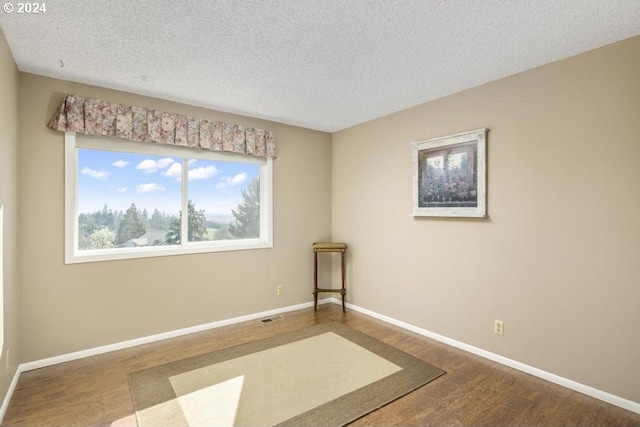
(132, 200)
(2, 279)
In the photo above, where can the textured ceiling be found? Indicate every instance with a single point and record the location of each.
(319, 64)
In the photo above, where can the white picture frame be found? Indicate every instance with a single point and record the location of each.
(450, 175)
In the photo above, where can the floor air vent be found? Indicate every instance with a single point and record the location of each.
(272, 319)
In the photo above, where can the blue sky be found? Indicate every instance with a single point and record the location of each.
(153, 182)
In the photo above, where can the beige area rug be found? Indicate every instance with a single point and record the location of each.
(324, 375)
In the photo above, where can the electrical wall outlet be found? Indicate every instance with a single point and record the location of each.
(498, 327)
(279, 290)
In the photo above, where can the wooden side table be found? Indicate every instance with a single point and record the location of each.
(321, 247)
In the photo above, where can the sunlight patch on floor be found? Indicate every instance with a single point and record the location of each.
(214, 406)
(128, 421)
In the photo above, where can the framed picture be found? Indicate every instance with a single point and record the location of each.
(450, 176)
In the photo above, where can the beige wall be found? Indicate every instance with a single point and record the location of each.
(558, 258)
(67, 308)
(8, 199)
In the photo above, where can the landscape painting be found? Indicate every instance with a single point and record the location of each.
(449, 176)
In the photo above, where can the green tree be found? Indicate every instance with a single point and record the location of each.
(102, 238)
(145, 218)
(196, 226)
(104, 218)
(86, 224)
(174, 233)
(247, 214)
(131, 226)
(167, 220)
(222, 233)
(118, 216)
(157, 220)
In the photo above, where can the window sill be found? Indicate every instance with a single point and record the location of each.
(98, 255)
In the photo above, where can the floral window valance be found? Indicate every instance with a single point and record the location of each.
(97, 117)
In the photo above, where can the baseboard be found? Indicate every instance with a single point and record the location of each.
(37, 364)
(570, 384)
(7, 397)
(158, 337)
(556, 379)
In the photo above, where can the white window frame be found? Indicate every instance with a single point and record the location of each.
(2, 280)
(73, 255)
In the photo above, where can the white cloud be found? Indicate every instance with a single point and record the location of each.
(121, 189)
(120, 163)
(205, 172)
(101, 175)
(147, 188)
(151, 166)
(174, 171)
(232, 181)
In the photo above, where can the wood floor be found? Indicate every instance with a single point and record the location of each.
(474, 392)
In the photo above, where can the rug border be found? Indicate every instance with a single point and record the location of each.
(414, 374)
(347, 408)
